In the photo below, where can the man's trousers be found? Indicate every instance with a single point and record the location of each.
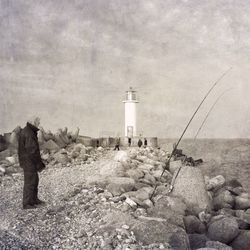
(30, 189)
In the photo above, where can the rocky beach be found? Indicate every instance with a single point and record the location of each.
(98, 198)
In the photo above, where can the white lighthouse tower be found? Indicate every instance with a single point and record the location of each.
(130, 113)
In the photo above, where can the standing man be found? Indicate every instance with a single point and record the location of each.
(117, 143)
(139, 143)
(31, 162)
(129, 141)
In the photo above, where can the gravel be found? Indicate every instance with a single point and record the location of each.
(71, 217)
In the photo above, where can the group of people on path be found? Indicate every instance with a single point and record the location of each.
(139, 143)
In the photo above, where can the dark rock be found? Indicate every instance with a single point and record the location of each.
(233, 183)
(197, 241)
(153, 231)
(242, 224)
(242, 242)
(223, 230)
(244, 218)
(193, 225)
(238, 190)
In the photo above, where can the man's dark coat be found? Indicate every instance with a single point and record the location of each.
(28, 150)
(31, 162)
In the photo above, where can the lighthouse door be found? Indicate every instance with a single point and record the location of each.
(130, 131)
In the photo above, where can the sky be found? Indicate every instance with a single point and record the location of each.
(71, 61)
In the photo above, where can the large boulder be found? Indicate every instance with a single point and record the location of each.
(194, 225)
(171, 210)
(174, 203)
(150, 231)
(242, 242)
(197, 241)
(224, 230)
(120, 185)
(190, 185)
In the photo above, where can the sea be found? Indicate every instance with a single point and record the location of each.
(227, 157)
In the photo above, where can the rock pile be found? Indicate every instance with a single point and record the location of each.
(115, 209)
(212, 212)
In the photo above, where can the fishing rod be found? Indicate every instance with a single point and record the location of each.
(210, 110)
(176, 145)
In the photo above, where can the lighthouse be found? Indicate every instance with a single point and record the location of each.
(130, 113)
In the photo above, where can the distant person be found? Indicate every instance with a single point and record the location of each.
(145, 142)
(139, 143)
(31, 163)
(117, 143)
(97, 143)
(129, 141)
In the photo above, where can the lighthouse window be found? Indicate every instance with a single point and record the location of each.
(130, 96)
